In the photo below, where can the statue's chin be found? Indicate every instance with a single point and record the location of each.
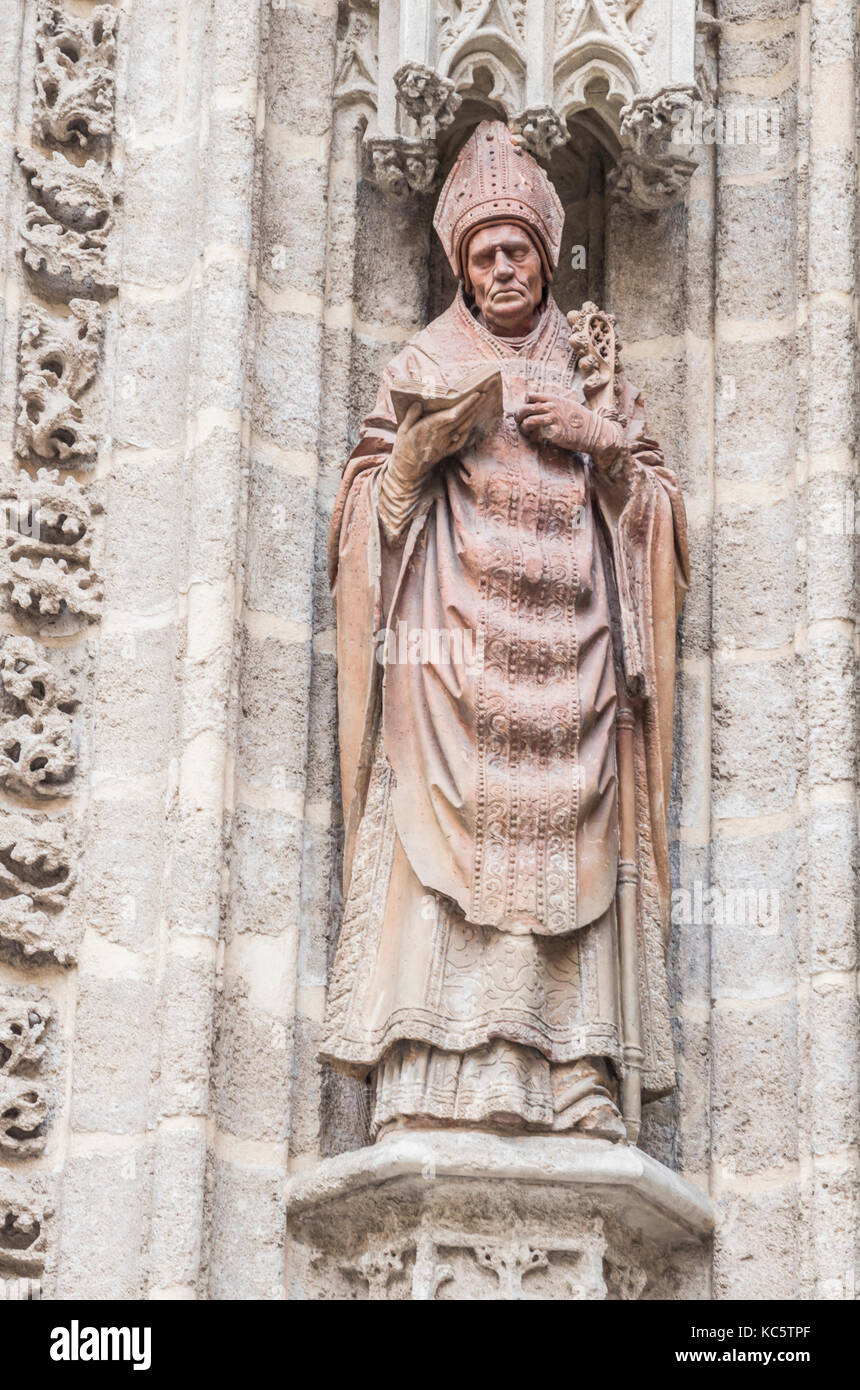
(513, 325)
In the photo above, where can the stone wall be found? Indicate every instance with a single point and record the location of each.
(192, 237)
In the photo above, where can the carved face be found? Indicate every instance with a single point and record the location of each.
(507, 278)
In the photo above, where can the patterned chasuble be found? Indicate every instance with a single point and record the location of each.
(505, 794)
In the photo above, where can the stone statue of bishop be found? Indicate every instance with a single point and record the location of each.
(482, 977)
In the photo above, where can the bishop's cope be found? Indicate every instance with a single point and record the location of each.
(502, 960)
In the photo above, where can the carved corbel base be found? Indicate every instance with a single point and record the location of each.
(445, 1215)
(426, 95)
(540, 130)
(655, 168)
(400, 164)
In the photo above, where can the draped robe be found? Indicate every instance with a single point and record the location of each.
(479, 655)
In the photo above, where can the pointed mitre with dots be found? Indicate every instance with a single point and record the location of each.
(493, 180)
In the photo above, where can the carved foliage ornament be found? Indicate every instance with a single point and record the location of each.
(47, 562)
(23, 1217)
(74, 74)
(36, 753)
(426, 95)
(22, 1102)
(67, 222)
(37, 875)
(58, 361)
(653, 172)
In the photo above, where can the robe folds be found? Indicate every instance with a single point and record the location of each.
(479, 657)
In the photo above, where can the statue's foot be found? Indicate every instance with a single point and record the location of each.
(603, 1121)
(594, 1115)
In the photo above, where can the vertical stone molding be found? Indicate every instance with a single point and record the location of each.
(48, 565)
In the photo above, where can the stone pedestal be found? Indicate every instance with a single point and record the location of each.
(476, 1216)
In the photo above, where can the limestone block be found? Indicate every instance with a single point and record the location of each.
(134, 719)
(833, 1201)
(654, 239)
(756, 127)
(831, 412)
(247, 1223)
(125, 868)
(164, 63)
(196, 867)
(180, 1162)
(757, 272)
(151, 369)
(106, 1199)
(830, 250)
(483, 1217)
(832, 521)
(144, 500)
(753, 908)
(282, 521)
(266, 870)
(832, 867)
(756, 410)
(301, 57)
(273, 734)
(753, 731)
(757, 1246)
(694, 628)
(691, 1104)
(114, 1034)
(221, 303)
(252, 1073)
(293, 244)
(754, 1105)
(754, 606)
(833, 1022)
(185, 1014)
(160, 250)
(284, 379)
(832, 721)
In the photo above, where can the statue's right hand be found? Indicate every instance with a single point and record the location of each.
(423, 440)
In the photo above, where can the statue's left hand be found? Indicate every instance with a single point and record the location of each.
(561, 420)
